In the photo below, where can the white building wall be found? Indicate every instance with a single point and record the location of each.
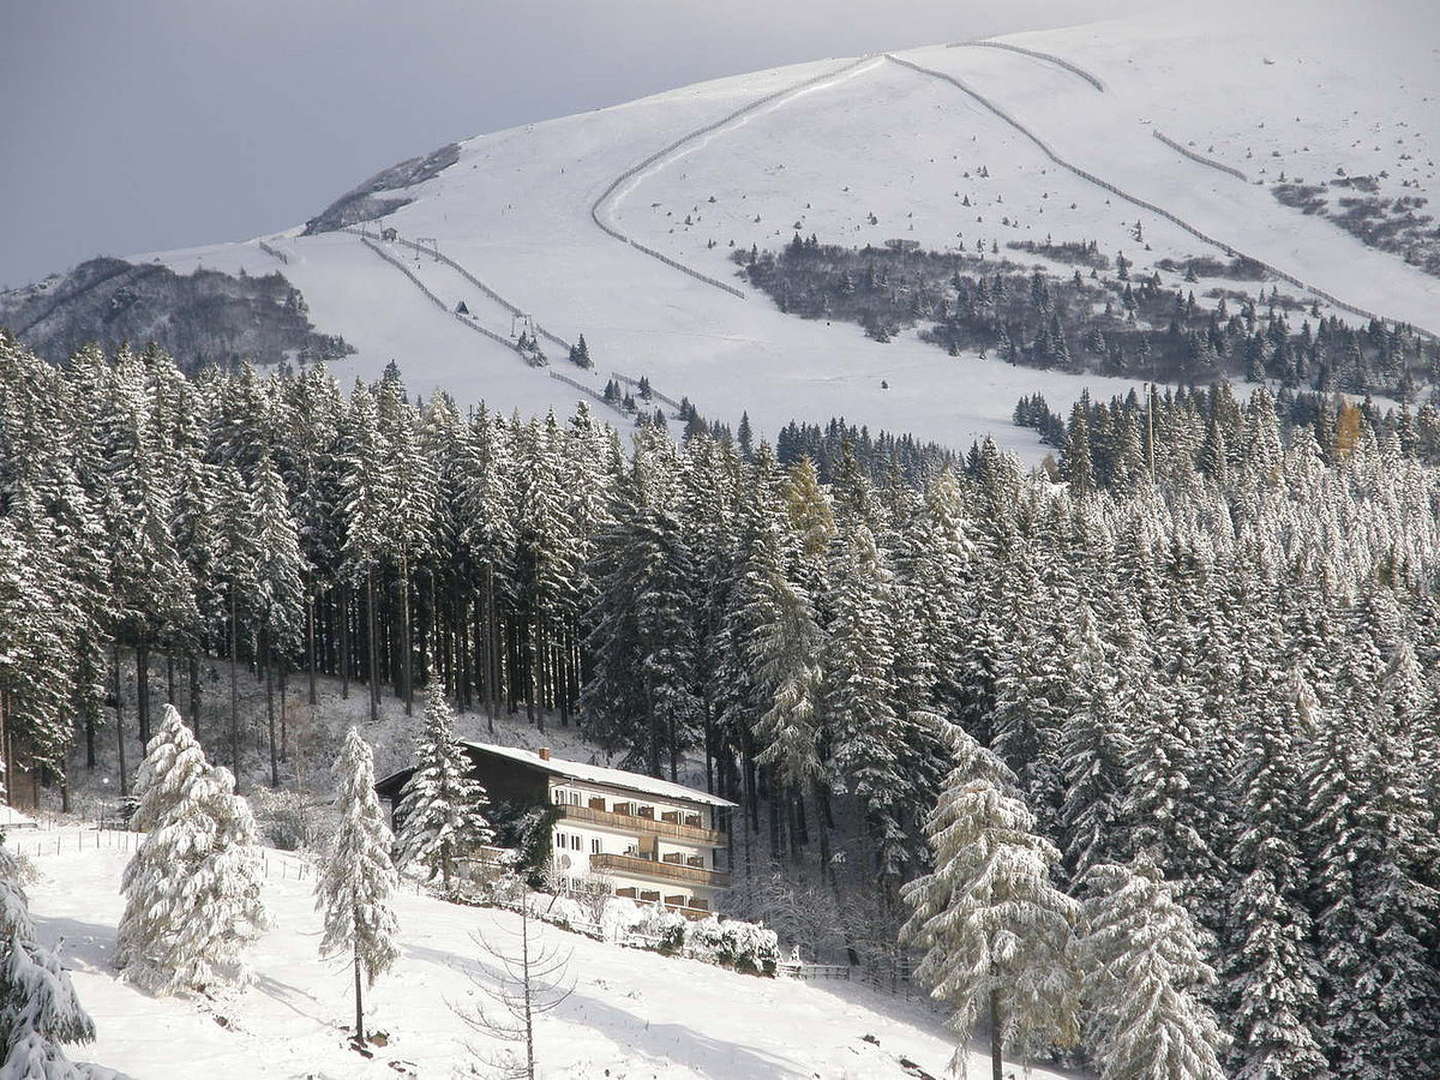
(573, 841)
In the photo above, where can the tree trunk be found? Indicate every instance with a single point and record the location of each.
(374, 645)
(407, 647)
(195, 693)
(822, 827)
(359, 1007)
(344, 643)
(234, 693)
(90, 736)
(310, 644)
(284, 712)
(120, 727)
(267, 660)
(142, 692)
(996, 1038)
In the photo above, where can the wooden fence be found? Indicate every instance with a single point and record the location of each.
(698, 133)
(1045, 148)
(1035, 54)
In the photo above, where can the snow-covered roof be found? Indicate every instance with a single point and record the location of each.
(600, 774)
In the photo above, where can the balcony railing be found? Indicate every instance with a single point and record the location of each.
(634, 823)
(653, 868)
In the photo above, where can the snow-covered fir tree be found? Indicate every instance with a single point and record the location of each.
(442, 811)
(997, 934)
(358, 878)
(1144, 979)
(39, 1009)
(192, 889)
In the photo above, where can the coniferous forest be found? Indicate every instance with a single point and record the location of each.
(1160, 723)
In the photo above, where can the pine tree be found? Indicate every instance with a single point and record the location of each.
(996, 933)
(1144, 972)
(442, 808)
(358, 878)
(192, 889)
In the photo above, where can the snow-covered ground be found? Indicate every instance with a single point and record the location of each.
(879, 138)
(633, 1014)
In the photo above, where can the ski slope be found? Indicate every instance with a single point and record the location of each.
(619, 223)
(633, 1014)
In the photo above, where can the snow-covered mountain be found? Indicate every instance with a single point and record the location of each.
(620, 223)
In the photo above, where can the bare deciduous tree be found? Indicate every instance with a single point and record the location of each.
(521, 980)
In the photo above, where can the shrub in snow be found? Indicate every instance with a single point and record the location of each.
(288, 820)
(192, 890)
(38, 1006)
(743, 946)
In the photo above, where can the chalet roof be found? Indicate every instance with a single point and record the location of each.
(601, 774)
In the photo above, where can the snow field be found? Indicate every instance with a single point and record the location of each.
(634, 1013)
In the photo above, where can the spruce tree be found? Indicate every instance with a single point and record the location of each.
(1144, 979)
(996, 933)
(192, 889)
(358, 878)
(442, 811)
(39, 1010)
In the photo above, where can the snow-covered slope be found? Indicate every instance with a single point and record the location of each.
(633, 1014)
(555, 220)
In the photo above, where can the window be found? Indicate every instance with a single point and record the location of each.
(559, 840)
(595, 845)
(574, 798)
(559, 797)
(575, 841)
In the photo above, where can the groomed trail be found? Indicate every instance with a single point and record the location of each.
(662, 156)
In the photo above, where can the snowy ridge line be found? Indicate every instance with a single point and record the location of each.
(589, 390)
(653, 392)
(435, 299)
(1201, 158)
(491, 293)
(60, 301)
(1044, 147)
(274, 252)
(1034, 54)
(629, 173)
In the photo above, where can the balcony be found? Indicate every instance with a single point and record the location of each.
(635, 824)
(653, 868)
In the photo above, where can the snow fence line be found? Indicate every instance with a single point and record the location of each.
(590, 390)
(1201, 158)
(274, 252)
(486, 289)
(689, 137)
(628, 381)
(1046, 149)
(461, 319)
(136, 274)
(1034, 54)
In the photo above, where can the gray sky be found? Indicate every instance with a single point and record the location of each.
(135, 125)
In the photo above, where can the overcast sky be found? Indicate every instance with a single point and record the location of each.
(143, 125)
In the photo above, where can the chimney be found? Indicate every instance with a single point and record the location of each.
(544, 753)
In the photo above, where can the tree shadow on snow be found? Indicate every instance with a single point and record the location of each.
(81, 946)
(659, 1044)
